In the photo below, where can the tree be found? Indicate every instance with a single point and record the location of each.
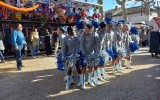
(124, 13)
(146, 4)
(101, 9)
(156, 5)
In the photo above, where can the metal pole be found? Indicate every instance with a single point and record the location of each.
(141, 9)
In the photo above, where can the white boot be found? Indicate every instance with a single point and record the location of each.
(125, 63)
(68, 82)
(130, 60)
(120, 65)
(128, 65)
(65, 79)
(96, 77)
(119, 68)
(105, 76)
(99, 74)
(90, 79)
(83, 81)
(79, 80)
(114, 69)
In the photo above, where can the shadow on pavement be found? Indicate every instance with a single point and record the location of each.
(48, 84)
(137, 85)
(140, 84)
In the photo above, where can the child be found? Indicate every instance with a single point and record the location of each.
(127, 41)
(70, 46)
(104, 38)
(118, 48)
(108, 43)
(89, 44)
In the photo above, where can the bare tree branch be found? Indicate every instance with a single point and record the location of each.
(140, 0)
(151, 1)
(123, 7)
(123, 1)
(119, 2)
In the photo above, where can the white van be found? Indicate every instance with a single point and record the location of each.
(139, 24)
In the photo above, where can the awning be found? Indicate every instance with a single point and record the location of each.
(70, 3)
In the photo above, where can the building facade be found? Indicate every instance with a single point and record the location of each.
(132, 14)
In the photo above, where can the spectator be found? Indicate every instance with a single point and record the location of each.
(144, 38)
(55, 38)
(29, 43)
(1, 48)
(47, 42)
(149, 34)
(7, 43)
(35, 42)
(18, 41)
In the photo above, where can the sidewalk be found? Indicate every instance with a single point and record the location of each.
(40, 80)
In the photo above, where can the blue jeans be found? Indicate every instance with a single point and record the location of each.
(1, 55)
(34, 50)
(19, 56)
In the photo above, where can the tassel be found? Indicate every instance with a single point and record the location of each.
(59, 63)
(133, 46)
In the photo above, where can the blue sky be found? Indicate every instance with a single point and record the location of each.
(110, 4)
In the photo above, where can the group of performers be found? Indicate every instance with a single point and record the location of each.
(89, 50)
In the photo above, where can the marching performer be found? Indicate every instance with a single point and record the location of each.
(62, 33)
(108, 44)
(70, 46)
(61, 36)
(103, 36)
(89, 44)
(118, 48)
(79, 30)
(127, 41)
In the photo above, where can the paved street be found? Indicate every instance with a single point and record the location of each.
(40, 80)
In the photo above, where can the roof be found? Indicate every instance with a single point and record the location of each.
(132, 10)
(114, 11)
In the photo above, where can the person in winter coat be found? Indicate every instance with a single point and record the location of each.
(35, 42)
(143, 37)
(47, 42)
(55, 39)
(1, 48)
